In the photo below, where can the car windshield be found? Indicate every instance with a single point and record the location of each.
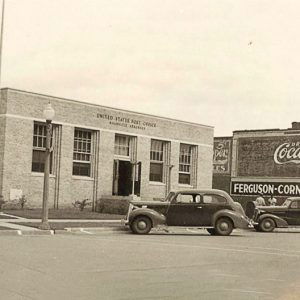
(286, 202)
(169, 197)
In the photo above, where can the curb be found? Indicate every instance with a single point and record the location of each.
(86, 230)
(16, 232)
(97, 229)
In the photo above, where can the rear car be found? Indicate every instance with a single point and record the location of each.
(267, 218)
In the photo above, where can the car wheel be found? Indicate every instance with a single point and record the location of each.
(267, 225)
(211, 231)
(141, 225)
(223, 226)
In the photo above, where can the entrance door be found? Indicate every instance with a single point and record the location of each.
(122, 182)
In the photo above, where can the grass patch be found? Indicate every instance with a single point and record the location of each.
(67, 213)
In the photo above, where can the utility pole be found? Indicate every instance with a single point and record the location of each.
(1, 37)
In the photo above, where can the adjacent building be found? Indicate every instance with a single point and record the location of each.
(259, 161)
(97, 151)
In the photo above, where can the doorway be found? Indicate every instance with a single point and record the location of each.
(122, 178)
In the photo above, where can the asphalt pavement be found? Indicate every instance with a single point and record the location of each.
(180, 264)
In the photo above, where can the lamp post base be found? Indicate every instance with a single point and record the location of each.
(44, 226)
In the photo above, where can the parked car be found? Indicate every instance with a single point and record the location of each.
(267, 218)
(211, 209)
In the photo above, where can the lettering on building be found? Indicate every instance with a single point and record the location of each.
(221, 158)
(126, 122)
(245, 188)
(287, 153)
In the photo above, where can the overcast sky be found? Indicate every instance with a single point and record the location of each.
(230, 64)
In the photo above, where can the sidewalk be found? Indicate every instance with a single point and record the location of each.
(18, 225)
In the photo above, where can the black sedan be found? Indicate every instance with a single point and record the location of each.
(267, 218)
(211, 209)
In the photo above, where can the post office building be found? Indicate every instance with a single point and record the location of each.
(97, 151)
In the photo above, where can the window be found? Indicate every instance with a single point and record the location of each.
(185, 164)
(214, 199)
(156, 160)
(82, 152)
(188, 198)
(122, 145)
(39, 148)
(295, 204)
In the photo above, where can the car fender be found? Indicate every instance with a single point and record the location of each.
(156, 217)
(238, 220)
(279, 221)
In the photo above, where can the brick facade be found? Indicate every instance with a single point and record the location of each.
(18, 112)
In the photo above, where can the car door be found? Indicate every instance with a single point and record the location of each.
(184, 210)
(293, 213)
(211, 203)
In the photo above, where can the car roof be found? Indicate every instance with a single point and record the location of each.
(199, 191)
(294, 198)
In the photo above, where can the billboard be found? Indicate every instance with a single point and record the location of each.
(222, 156)
(269, 156)
(250, 188)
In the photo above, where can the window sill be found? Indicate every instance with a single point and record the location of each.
(185, 185)
(82, 178)
(156, 183)
(41, 174)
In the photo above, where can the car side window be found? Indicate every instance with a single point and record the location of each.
(214, 199)
(294, 204)
(188, 198)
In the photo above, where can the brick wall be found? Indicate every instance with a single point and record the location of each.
(25, 108)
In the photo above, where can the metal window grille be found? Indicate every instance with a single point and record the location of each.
(122, 145)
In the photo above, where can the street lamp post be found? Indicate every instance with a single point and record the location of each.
(48, 115)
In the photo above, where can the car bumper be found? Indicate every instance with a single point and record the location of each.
(243, 223)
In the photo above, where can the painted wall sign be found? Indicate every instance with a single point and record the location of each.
(287, 153)
(247, 188)
(126, 122)
(269, 156)
(222, 156)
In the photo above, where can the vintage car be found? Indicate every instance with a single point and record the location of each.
(211, 209)
(267, 218)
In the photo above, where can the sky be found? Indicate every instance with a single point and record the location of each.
(231, 64)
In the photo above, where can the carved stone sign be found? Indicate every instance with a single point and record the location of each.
(126, 122)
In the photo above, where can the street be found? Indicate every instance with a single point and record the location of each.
(186, 264)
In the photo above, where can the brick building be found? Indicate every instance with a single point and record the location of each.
(97, 151)
(258, 161)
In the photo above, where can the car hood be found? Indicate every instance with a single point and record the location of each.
(272, 208)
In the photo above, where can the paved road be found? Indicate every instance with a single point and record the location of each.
(183, 265)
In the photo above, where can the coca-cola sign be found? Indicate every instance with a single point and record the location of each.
(287, 153)
(274, 156)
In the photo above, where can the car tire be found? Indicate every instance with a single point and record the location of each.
(223, 226)
(211, 231)
(267, 225)
(141, 225)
